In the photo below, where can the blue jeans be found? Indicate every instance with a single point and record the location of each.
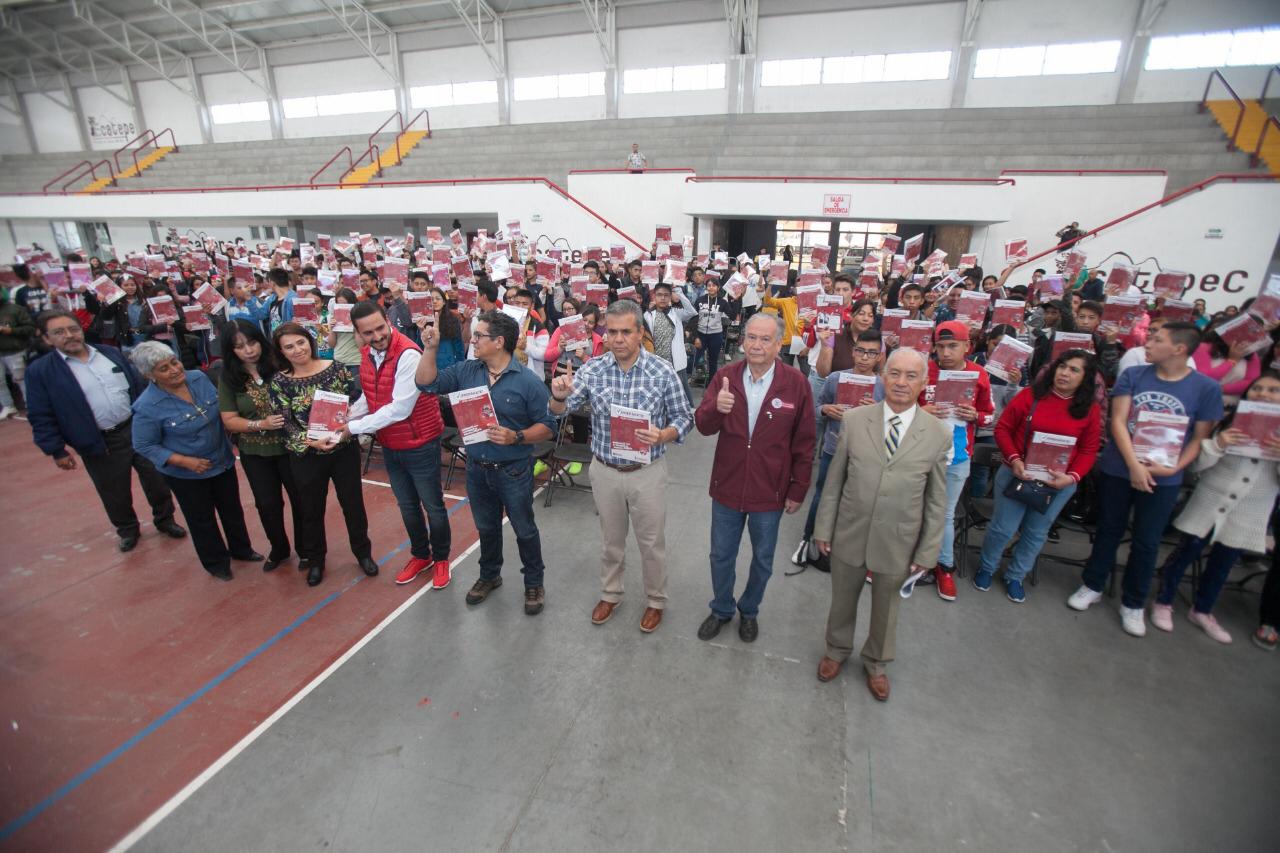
(415, 481)
(957, 474)
(510, 487)
(1009, 517)
(1150, 515)
(824, 462)
(726, 536)
(1216, 570)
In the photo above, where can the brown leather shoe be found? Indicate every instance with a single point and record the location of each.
(651, 619)
(828, 668)
(879, 686)
(604, 609)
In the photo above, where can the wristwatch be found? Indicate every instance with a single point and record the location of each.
(519, 436)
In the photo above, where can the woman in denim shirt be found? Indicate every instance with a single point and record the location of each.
(177, 427)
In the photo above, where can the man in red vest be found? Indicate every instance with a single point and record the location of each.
(408, 426)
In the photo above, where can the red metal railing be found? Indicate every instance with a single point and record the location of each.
(374, 151)
(77, 173)
(1082, 172)
(1233, 177)
(786, 179)
(1256, 157)
(1266, 84)
(147, 137)
(350, 161)
(1204, 104)
(625, 171)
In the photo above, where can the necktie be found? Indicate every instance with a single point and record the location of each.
(895, 433)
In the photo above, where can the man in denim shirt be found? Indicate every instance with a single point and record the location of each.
(499, 470)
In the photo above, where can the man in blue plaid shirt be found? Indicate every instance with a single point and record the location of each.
(627, 491)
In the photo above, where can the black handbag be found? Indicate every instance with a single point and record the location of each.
(1033, 493)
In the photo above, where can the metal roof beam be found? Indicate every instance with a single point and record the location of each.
(601, 14)
(65, 55)
(241, 53)
(374, 37)
(486, 28)
(166, 61)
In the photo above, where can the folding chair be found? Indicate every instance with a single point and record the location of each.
(973, 512)
(559, 459)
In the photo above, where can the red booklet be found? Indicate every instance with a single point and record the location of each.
(972, 308)
(1122, 313)
(467, 295)
(617, 252)
(420, 306)
(1266, 307)
(628, 292)
(778, 271)
(898, 266)
(1075, 261)
(340, 317)
(623, 424)
(868, 284)
(328, 415)
(1122, 275)
(209, 299)
(955, 388)
(736, 286)
(1063, 341)
(1158, 437)
(911, 250)
(461, 266)
(1048, 454)
(649, 272)
(1260, 421)
(1049, 288)
(891, 321)
(1244, 329)
(1009, 312)
(195, 318)
(163, 310)
(598, 293)
(967, 262)
(1177, 311)
(306, 312)
(1015, 251)
(916, 335)
(155, 266)
(441, 255)
(1170, 284)
(108, 292)
(890, 243)
(397, 270)
(830, 311)
(80, 275)
(807, 300)
(574, 334)
(819, 254)
(1009, 354)
(677, 271)
(854, 389)
(662, 232)
(578, 287)
(440, 276)
(473, 411)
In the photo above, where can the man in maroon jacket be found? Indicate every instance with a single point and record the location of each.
(763, 412)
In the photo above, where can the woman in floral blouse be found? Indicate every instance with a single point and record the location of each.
(244, 398)
(315, 462)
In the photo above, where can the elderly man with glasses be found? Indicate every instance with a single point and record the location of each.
(79, 397)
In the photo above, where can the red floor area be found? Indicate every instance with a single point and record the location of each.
(97, 645)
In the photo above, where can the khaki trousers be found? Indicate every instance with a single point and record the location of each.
(636, 498)
(847, 583)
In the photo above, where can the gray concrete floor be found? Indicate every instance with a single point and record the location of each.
(1010, 728)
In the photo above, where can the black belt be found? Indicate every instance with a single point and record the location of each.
(124, 424)
(621, 469)
(494, 466)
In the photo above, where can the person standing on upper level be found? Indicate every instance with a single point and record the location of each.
(636, 162)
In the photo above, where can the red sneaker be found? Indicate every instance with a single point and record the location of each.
(946, 584)
(412, 569)
(442, 575)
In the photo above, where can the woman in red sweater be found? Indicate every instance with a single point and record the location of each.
(1065, 429)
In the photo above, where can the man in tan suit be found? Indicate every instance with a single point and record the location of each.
(882, 509)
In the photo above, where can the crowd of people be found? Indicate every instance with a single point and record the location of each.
(879, 395)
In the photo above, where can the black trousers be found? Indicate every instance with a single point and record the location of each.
(270, 479)
(110, 475)
(200, 499)
(1269, 611)
(311, 475)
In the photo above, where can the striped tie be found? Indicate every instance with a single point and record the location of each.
(891, 440)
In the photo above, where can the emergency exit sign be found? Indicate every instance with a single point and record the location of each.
(835, 204)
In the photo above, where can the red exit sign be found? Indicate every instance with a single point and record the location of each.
(835, 204)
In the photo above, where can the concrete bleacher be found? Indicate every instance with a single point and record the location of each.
(925, 143)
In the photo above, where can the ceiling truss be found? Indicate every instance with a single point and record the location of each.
(486, 28)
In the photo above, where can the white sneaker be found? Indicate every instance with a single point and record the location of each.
(1210, 626)
(1134, 621)
(1162, 616)
(1083, 598)
(801, 555)
(7, 412)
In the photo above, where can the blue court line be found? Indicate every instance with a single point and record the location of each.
(106, 760)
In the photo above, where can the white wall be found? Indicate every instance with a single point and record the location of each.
(55, 127)
(656, 47)
(234, 88)
(452, 65)
(854, 33)
(109, 121)
(165, 106)
(636, 203)
(13, 135)
(331, 78)
(556, 55)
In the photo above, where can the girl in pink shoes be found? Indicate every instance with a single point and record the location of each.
(1230, 507)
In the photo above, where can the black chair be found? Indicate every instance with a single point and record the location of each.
(368, 452)
(974, 512)
(558, 460)
(450, 443)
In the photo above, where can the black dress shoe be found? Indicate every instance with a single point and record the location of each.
(251, 557)
(127, 543)
(315, 574)
(748, 629)
(171, 529)
(221, 574)
(711, 626)
(368, 566)
(273, 563)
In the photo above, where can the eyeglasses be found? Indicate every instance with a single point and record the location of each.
(64, 331)
(866, 353)
(475, 336)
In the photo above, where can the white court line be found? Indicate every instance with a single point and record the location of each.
(388, 485)
(226, 758)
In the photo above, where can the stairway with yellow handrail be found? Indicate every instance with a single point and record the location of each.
(1251, 127)
(408, 140)
(151, 158)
